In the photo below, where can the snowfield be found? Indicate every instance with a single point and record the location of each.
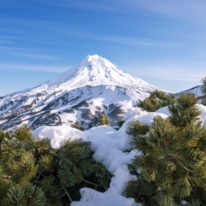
(110, 148)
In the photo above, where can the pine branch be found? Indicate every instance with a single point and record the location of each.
(174, 158)
(91, 183)
(66, 192)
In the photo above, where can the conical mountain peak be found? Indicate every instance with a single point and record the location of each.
(95, 70)
(96, 63)
(95, 59)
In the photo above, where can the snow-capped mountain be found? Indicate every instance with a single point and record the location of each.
(75, 97)
(197, 91)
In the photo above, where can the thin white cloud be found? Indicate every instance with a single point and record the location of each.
(33, 68)
(176, 73)
(27, 53)
(190, 9)
(121, 40)
(173, 8)
(62, 28)
(82, 4)
(35, 55)
(5, 41)
(130, 41)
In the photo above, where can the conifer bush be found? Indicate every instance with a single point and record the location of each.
(103, 119)
(204, 90)
(156, 100)
(32, 173)
(172, 164)
(19, 196)
(72, 167)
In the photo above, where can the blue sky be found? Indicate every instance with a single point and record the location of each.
(160, 41)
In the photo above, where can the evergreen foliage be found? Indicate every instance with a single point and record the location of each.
(172, 166)
(69, 169)
(184, 112)
(34, 174)
(156, 100)
(103, 119)
(18, 196)
(204, 85)
(204, 90)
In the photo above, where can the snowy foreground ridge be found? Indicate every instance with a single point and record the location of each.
(110, 148)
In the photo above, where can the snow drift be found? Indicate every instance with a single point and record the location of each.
(110, 148)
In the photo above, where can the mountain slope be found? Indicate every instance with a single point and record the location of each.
(75, 97)
(197, 91)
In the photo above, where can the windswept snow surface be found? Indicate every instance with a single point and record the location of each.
(202, 110)
(110, 148)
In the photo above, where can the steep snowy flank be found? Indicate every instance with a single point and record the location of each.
(75, 97)
(95, 70)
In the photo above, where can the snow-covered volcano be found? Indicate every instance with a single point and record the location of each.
(75, 97)
(95, 70)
